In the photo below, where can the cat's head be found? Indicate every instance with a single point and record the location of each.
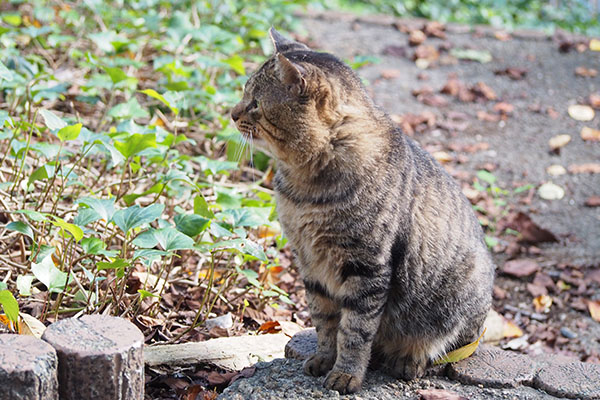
(293, 103)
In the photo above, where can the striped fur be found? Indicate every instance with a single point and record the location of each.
(393, 259)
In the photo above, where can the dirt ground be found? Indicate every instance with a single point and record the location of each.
(505, 131)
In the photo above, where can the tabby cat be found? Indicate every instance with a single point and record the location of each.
(391, 254)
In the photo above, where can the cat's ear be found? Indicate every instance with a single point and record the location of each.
(290, 74)
(282, 44)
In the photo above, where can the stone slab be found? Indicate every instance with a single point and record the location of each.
(233, 353)
(99, 357)
(576, 380)
(302, 345)
(28, 369)
(284, 379)
(494, 367)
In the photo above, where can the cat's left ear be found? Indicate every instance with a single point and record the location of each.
(290, 74)
(281, 44)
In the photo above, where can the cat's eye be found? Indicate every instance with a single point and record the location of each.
(253, 105)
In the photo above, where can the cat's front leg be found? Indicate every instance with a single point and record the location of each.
(325, 316)
(363, 301)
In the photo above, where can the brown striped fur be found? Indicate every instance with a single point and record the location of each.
(391, 254)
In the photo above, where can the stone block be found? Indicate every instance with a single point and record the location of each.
(302, 345)
(28, 369)
(99, 357)
(492, 367)
(576, 380)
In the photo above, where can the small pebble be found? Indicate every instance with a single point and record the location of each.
(566, 332)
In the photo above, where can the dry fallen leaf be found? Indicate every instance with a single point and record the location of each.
(542, 303)
(442, 156)
(439, 394)
(558, 141)
(270, 327)
(503, 36)
(594, 100)
(461, 353)
(592, 201)
(486, 116)
(588, 168)
(31, 326)
(581, 112)
(590, 134)
(529, 230)
(391, 73)
(594, 307)
(586, 72)
(416, 37)
(551, 191)
(504, 108)
(520, 268)
(595, 45)
(511, 330)
(556, 170)
(513, 73)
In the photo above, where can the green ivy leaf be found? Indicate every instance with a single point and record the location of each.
(154, 94)
(45, 272)
(243, 246)
(73, 229)
(104, 207)
(486, 176)
(69, 132)
(24, 284)
(21, 227)
(191, 224)
(117, 263)
(92, 245)
(10, 305)
(169, 238)
(135, 143)
(135, 216)
(52, 121)
(201, 207)
(5, 74)
(116, 74)
(236, 63)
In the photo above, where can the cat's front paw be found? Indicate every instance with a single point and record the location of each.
(343, 382)
(408, 369)
(318, 364)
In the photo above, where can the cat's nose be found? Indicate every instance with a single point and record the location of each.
(236, 113)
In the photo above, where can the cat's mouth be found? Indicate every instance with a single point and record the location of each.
(248, 130)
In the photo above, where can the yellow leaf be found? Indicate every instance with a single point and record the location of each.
(542, 303)
(9, 324)
(511, 330)
(31, 326)
(594, 307)
(595, 45)
(461, 353)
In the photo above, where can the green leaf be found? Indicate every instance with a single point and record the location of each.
(24, 284)
(135, 143)
(33, 215)
(5, 74)
(3, 285)
(135, 216)
(154, 94)
(201, 207)
(144, 294)
(490, 241)
(104, 207)
(92, 245)
(130, 109)
(486, 176)
(251, 217)
(69, 132)
(45, 272)
(44, 172)
(116, 74)
(85, 216)
(460, 354)
(10, 305)
(73, 229)
(228, 198)
(117, 263)
(21, 227)
(191, 224)
(13, 19)
(244, 246)
(236, 63)
(169, 238)
(52, 121)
